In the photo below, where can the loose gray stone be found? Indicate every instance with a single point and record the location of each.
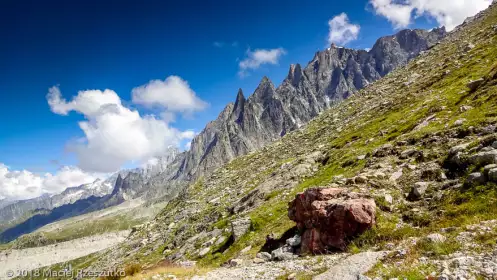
(475, 178)
(492, 175)
(484, 158)
(294, 241)
(459, 122)
(264, 255)
(473, 85)
(436, 238)
(204, 251)
(418, 190)
(240, 227)
(283, 254)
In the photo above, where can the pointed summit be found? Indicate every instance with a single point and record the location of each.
(265, 80)
(294, 74)
(263, 91)
(240, 99)
(239, 106)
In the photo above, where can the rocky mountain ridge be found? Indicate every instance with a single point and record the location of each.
(271, 112)
(251, 123)
(421, 143)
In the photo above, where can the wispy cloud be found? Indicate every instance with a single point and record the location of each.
(254, 59)
(341, 30)
(221, 44)
(448, 13)
(173, 94)
(16, 185)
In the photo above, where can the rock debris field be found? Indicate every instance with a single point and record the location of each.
(32, 258)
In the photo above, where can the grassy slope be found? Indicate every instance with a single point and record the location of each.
(344, 132)
(353, 128)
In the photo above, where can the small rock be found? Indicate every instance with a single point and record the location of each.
(216, 201)
(418, 191)
(264, 255)
(246, 249)
(436, 238)
(475, 179)
(240, 227)
(220, 240)
(283, 254)
(388, 198)
(487, 169)
(469, 47)
(361, 179)
(383, 151)
(459, 122)
(408, 153)
(484, 158)
(235, 262)
(465, 108)
(459, 148)
(361, 157)
(204, 251)
(494, 145)
(294, 241)
(258, 261)
(396, 175)
(350, 181)
(292, 276)
(492, 175)
(473, 85)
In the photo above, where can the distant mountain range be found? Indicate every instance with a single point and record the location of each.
(244, 126)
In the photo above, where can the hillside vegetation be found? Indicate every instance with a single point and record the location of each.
(428, 123)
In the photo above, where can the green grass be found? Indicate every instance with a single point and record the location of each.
(438, 249)
(419, 272)
(434, 94)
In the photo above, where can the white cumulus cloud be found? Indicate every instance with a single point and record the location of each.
(173, 94)
(114, 134)
(448, 13)
(341, 30)
(254, 59)
(18, 185)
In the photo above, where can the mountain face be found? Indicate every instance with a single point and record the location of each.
(434, 139)
(98, 188)
(24, 208)
(5, 202)
(249, 123)
(148, 180)
(271, 112)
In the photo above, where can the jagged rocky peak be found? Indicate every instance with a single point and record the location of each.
(390, 52)
(269, 113)
(264, 91)
(295, 74)
(239, 106)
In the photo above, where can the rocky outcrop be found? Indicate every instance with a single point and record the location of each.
(251, 123)
(330, 217)
(271, 112)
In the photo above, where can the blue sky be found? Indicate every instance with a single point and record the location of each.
(121, 45)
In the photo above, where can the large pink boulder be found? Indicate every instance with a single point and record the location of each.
(330, 218)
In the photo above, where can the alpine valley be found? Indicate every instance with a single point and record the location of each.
(377, 164)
